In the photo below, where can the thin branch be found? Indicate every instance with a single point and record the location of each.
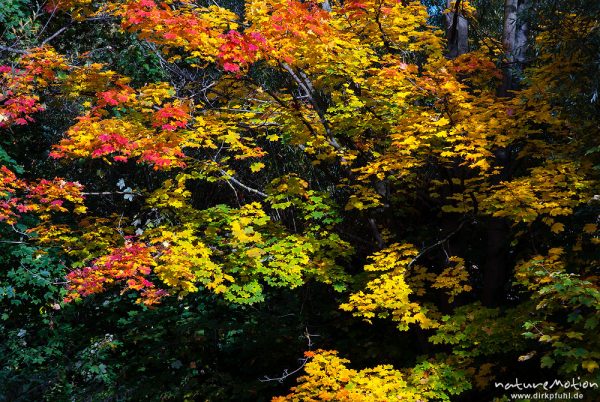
(54, 35)
(438, 243)
(237, 198)
(19, 232)
(386, 42)
(286, 374)
(238, 183)
(111, 193)
(303, 361)
(296, 113)
(41, 32)
(13, 50)
(303, 81)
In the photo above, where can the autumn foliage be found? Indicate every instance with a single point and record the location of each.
(297, 147)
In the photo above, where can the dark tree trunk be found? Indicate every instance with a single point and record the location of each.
(496, 267)
(496, 261)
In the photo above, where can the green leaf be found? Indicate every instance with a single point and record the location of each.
(546, 361)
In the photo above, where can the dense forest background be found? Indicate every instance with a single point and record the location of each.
(298, 200)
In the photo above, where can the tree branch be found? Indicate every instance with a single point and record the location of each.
(376, 233)
(439, 242)
(111, 193)
(12, 50)
(303, 361)
(304, 83)
(54, 35)
(238, 183)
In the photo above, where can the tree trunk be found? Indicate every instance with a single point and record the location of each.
(457, 31)
(514, 39)
(496, 261)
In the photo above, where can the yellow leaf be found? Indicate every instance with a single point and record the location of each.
(589, 365)
(254, 252)
(441, 122)
(575, 335)
(527, 356)
(557, 227)
(80, 209)
(590, 228)
(255, 167)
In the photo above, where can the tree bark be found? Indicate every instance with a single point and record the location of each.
(514, 40)
(457, 31)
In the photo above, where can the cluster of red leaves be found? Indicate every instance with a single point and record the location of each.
(152, 136)
(354, 9)
(121, 145)
(476, 65)
(112, 142)
(194, 30)
(128, 265)
(186, 27)
(158, 159)
(50, 195)
(42, 197)
(299, 18)
(171, 117)
(16, 105)
(9, 204)
(291, 28)
(35, 72)
(197, 30)
(240, 49)
(115, 96)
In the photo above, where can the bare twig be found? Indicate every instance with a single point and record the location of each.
(438, 243)
(286, 373)
(238, 183)
(13, 50)
(237, 198)
(54, 35)
(19, 232)
(111, 193)
(302, 360)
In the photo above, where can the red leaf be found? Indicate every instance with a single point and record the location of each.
(233, 68)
